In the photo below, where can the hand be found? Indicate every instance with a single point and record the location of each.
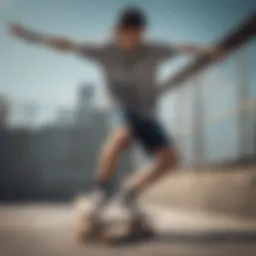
(22, 32)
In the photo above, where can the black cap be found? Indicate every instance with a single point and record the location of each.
(132, 17)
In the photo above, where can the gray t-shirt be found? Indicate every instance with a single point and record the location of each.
(131, 76)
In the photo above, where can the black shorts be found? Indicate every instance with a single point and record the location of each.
(148, 131)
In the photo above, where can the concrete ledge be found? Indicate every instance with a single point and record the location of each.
(226, 191)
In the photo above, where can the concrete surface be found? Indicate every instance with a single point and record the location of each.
(46, 230)
(223, 191)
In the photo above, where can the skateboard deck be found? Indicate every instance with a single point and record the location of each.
(115, 224)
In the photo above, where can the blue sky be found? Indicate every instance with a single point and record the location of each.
(35, 74)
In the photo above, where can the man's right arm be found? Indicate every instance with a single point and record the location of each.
(58, 43)
(90, 51)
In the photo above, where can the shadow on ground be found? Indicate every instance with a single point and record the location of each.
(206, 237)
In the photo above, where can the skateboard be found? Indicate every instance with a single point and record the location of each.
(113, 226)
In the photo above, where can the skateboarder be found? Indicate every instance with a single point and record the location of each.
(129, 63)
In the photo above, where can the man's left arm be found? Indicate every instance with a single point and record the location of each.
(212, 52)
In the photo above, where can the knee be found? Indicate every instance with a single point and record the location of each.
(168, 159)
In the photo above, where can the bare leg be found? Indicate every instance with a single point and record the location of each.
(166, 161)
(108, 161)
(111, 153)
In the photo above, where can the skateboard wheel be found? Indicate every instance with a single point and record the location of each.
(140, 228)
(107, 239)
(88, 229)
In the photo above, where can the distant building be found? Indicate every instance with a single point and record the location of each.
(86, 95)
(4, 111)
(65, 118)
(30, 114)
(58, 161)
(85, 103)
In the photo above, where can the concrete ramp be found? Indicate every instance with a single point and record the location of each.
(223, 191)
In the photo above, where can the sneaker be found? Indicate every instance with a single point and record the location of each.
(97, 201)
(128, 199)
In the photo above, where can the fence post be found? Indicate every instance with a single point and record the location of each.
(198, 121)
(243, 112)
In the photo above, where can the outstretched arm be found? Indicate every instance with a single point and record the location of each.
(166, 50)
(58, 43)
(192, 49)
